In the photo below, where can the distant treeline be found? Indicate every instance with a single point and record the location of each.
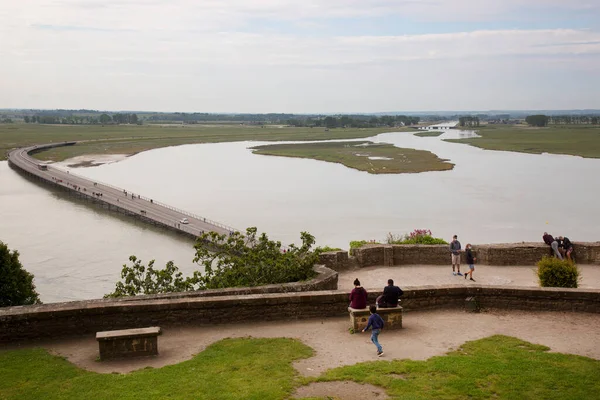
(468, 121)
(545, 120)
(102, 119)
(354, 121)
(194, 118)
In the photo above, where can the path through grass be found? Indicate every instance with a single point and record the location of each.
(231, 369)
(496, 367)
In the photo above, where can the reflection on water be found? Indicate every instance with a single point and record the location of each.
(74, 249)
(488, 197)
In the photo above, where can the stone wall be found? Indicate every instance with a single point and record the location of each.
(488, 254)
(76, 318)
(335, 260)
(327, 279)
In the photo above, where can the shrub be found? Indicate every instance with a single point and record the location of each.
(355, 244)
(326, 249)
(251, 260)
(16, 284)
(231, 261)
(553, 272)
(418, 236)
(139, 279)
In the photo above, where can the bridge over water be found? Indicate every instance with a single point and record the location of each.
(112, 197)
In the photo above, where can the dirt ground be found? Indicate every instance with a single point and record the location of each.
(343, 390)
(419, 275)
(425, 334)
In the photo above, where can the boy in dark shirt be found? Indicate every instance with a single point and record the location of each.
(376, 322)
(470, 261)
(567, 247)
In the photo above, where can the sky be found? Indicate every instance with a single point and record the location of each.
(300, 56)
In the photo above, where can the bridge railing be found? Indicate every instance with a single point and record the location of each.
(28, 158)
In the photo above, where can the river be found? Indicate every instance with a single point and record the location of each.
(76, 250)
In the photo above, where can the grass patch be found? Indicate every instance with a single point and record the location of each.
(576, 140)
(495, 367)
(428, 133)
(131, 139)
(230, 369)
(359, 155)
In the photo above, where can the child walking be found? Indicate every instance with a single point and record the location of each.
(375, 322)
(471, 261)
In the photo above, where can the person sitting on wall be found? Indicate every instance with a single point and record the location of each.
(358, 296)
(390, 296)
(553, 243)
(567, 247)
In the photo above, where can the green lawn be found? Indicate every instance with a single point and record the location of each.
(496, 367)
(356, 155)
(130, 139)
(229, 370)
(577, 140)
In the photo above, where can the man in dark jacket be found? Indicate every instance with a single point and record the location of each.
(390, 295)
(567, 247)
(553, 243)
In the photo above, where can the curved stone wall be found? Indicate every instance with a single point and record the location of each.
(87, 317)
(327, 279)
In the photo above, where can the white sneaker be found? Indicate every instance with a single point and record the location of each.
(453, 273)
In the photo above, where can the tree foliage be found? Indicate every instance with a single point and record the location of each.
(139, 279)
(539, 120)
(251, 260)
(228, 260)
(468, 121)
(16, 284)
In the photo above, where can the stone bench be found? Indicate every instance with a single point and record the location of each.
(392, 317)
(128, 343)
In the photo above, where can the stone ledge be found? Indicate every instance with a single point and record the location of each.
(128, 333)
(70, 319)
(487, 254)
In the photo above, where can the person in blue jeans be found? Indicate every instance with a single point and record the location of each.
(376, 323)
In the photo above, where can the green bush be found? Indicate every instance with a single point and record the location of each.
(355, 244)
(553, 272)
(16, 284)
(326, 249)
(418, 236)
(234, 260)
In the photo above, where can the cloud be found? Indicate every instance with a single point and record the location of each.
(210, 52)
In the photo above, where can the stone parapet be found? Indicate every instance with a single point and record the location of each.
(86, 317)
(487, 254)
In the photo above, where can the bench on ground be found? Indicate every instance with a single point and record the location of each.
(392, 317)
(128, 343)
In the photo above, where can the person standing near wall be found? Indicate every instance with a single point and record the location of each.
(470, 261)
(553, 243)
(455, 250)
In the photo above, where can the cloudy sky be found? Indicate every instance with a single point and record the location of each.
(300, 55)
